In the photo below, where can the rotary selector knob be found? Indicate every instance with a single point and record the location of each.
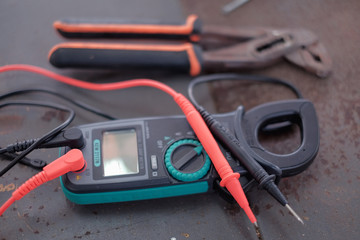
(186, 160)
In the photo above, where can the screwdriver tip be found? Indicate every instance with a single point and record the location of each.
(294, 213)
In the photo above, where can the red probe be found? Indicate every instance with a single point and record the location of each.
(230, 180)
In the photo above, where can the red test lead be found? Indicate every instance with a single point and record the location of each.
(230, 180)
(70, 162)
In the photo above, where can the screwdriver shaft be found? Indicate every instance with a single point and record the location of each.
(233, 5)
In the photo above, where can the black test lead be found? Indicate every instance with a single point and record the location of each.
(265, 180)
(238, 150)
(230, 180)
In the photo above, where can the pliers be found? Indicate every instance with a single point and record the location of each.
(187, 47)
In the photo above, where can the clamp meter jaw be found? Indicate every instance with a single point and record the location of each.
(158, 157)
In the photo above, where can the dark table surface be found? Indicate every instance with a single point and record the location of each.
(326, 195)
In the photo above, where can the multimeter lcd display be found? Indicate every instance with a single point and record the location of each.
(120, 153)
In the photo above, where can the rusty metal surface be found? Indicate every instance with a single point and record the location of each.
(326, 195)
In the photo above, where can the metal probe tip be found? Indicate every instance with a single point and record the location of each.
(258, 232)
(294, 213)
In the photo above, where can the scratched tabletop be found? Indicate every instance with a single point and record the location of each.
(326, 195)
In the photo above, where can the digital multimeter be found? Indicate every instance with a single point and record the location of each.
(156, 157)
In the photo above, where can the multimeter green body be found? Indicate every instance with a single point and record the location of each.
(157, 157)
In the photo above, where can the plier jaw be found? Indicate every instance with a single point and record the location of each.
(263, 47)
(313, 58)
(254, 53)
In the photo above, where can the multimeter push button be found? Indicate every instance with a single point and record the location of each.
(186, 160)
(154, 164)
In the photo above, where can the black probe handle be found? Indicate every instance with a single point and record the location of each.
(141, 29)
(241, 150)
(184, 57)
(232, 144)
(228, 139)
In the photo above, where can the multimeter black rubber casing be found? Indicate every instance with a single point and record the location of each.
(158, 157)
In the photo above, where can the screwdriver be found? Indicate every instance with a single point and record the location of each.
(233, 5)
(265, 180)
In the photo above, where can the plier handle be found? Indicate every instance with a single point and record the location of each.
(187, 47)
(116, 28)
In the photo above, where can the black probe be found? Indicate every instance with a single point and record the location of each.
(224, 136)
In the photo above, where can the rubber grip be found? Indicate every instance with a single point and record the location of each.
(185, 57)
(116, 28)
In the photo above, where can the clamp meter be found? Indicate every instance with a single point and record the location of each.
(156, 157)
(139, 159)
